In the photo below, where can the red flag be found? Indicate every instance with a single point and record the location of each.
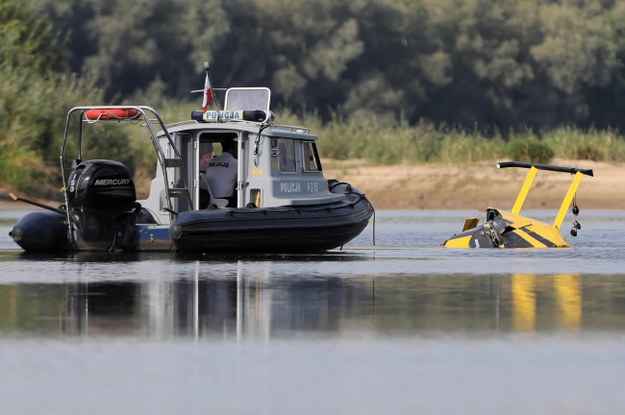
(208, 94)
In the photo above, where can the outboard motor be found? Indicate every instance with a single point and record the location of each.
(102, 204)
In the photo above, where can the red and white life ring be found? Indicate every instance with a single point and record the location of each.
(119, 114)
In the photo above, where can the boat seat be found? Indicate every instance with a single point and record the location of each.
(211, 202)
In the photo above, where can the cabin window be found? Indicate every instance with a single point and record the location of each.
(311, 158)
(286, 155)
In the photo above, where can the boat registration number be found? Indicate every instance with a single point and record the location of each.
(299, 187)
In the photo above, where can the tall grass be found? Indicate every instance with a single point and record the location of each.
(598, 145)
(400, 143)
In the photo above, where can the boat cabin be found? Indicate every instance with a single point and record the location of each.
(277, 165)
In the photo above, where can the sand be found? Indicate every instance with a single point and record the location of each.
(473, 186)
(479, 185)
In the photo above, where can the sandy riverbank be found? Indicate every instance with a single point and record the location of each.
(479, 185)
(474, 186)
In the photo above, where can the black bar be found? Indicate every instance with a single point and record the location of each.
(563, 169)
(41, 205)
(173, 212)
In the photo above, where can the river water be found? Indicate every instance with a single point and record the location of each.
(400, 327)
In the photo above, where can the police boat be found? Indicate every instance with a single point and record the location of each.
(280, 201)
(508, 229)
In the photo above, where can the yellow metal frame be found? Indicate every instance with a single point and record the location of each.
(566, 202)
(525, 189)
(568, 199)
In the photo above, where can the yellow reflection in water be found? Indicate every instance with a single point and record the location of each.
(524, 300)
(566, 293)
(569, 301)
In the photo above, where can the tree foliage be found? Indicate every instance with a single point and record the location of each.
(34, 97)
(493, 66)
(511, 64)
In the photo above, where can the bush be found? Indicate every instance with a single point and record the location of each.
(529, 150)
(587, 151)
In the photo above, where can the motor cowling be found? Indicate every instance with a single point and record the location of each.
(102, 202)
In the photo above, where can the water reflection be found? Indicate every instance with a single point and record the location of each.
(564, 303)
(263, 301)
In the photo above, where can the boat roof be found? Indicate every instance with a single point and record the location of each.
(245, 109)
(278, 131)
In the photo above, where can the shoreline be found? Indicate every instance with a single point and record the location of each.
(474, 186)
(479, 185)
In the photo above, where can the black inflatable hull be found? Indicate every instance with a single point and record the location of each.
(255, 230)
(271, 230)
(41, 231)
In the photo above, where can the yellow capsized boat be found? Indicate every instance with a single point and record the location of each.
(508, 229)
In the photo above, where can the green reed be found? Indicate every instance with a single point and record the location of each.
(398, 142)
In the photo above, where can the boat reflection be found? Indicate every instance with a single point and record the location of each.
(264, 300)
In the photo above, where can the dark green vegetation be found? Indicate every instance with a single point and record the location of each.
(388, 80)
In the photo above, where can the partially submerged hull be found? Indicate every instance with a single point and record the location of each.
(280, 229)
(506, 230)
